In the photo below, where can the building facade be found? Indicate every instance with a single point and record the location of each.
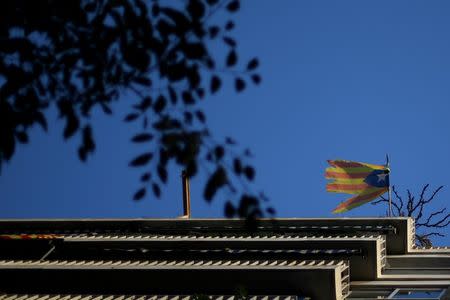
(220, 259)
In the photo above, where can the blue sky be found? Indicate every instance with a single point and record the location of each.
(341, 79)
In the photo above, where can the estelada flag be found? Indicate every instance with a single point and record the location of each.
(367, 181)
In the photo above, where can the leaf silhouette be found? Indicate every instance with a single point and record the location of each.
(249, 173)
(252, 64)
(160, 104)
(139, 194)
(219, 151)
(156, 190)
(215, 181)
(239, 84)
(231, 58)
(256, 79)
(213, 31)
(229, 25)
(172, 95)
(237, 166)
(200, 116)
(131, 117)
(229, 41)
(230, 210)
(41, 120)
(142, 137)
(196, 9)
(145, 177)
(233, 6)
(141, 160)
(215, 84)
(162, 173)
(72, 125)
(187, 98)
(270, 211)
(22, 137)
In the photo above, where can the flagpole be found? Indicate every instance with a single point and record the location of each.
(389, 189)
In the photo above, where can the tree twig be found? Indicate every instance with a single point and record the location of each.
(417, 208)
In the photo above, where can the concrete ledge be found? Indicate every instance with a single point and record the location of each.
(397, 230)
(419, 261)
(139, 297)
(402, 283)
(298, 280)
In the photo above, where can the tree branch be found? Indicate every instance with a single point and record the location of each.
(416, 208)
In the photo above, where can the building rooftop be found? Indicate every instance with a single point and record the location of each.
(321, 258)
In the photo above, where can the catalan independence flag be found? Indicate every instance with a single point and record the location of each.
(365, 181)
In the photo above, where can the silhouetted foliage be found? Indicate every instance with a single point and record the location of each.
(83, 55)
(430, 222)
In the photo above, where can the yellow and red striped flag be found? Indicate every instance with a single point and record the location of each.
(366, 181)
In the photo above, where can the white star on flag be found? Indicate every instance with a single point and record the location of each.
(382, 177)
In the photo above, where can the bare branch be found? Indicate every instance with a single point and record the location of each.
(396, 194)
(412, 208)
(382, 199)
(425, 241)
(417, 208)
(432, 234)
(427, 222)
(424, 189)
(443, 222)
(435, 192)
(409, 205)
(400, 213)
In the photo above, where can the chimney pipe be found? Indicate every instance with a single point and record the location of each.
(186, 195)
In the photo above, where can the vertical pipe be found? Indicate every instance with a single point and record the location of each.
(389, 187)
(390, 201)
(186, 195)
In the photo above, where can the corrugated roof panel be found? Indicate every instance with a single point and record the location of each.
(138, 297)
(150, 237)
